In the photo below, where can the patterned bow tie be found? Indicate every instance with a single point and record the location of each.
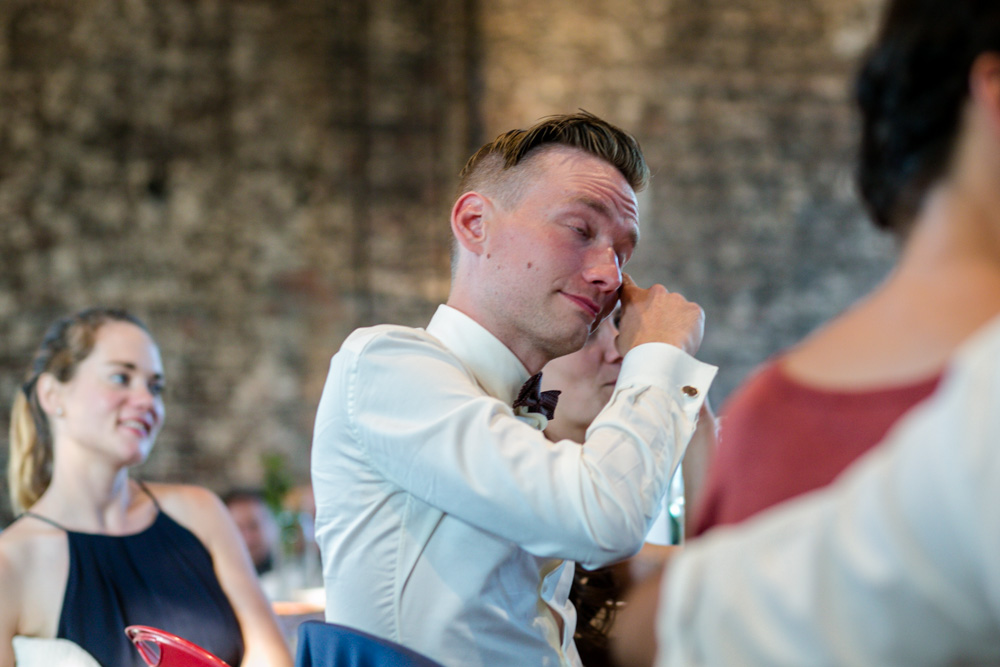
(534, 400)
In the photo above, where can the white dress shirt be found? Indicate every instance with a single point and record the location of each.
(440, 513)
(896, 563)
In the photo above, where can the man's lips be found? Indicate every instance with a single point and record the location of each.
(586, 304)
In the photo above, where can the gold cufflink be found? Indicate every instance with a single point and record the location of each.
(690, 391)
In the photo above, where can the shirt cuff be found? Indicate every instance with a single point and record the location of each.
(669, 368)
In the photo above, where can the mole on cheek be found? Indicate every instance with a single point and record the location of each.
(529, 265)
(488, 255)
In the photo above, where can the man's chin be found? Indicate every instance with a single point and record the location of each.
(570, 344)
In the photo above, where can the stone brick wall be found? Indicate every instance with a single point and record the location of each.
(256, 178)
(744, 114)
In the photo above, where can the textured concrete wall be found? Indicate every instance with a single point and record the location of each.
(256, 178)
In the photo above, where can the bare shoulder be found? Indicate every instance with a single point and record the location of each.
(195, 507)
(33, 557)
(27, 542)
(12, 557)
(201, 512)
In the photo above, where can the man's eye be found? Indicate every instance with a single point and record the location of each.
(156, 388)
(120, 378)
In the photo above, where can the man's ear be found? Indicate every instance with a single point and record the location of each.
(469, 220)
(984, 86)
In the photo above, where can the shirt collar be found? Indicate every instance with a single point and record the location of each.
(497, 370)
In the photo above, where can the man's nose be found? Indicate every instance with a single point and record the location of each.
(604, 270)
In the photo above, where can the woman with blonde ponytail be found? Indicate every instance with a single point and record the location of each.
(94, 550)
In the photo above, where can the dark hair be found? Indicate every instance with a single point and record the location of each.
(67, 342)
(596, 595)
(911, 90)
(581, 130)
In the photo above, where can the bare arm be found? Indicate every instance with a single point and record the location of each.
(649, 561)
(633, 642)
(204, 514)
(10, 593)
(697, 459)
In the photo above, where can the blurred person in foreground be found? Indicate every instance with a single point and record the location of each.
(586, 380)
(95, 550)
(898, 562)
(926, 175)
(442, 510)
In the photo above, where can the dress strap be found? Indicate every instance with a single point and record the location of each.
(142, 485)
(42, 518)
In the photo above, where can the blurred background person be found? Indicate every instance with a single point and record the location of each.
(811, 411)
(257, 526)
(94, 550)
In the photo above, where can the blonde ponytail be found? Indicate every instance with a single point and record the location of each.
(29, 468)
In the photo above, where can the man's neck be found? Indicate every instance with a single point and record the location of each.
(533, 360)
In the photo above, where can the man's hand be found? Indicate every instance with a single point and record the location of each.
(655, 315)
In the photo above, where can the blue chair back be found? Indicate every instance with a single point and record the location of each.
(329, 645)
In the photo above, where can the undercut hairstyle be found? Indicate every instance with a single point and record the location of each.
(911, 90)
(490, 168)
(67, 342)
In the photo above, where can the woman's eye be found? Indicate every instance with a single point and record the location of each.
(156, 388)
(120, 378)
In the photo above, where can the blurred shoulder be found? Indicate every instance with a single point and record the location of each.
(187, 503)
